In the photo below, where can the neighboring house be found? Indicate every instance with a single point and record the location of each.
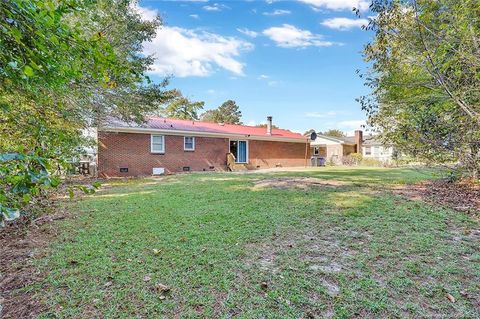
(164, 145)
(373, 148)
(333, 149)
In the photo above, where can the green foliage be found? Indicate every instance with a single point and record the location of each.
(334, 133)
(264, 125)
(309, 132)
(425, 79)
(228, 113)
(355, 158)
(65, 66)
(182, 108)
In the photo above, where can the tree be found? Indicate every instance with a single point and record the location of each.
(309, 132)
(183, 109)
(264, 125)
(334, 133)
(425, 79)
(65, 66)
(228, 113)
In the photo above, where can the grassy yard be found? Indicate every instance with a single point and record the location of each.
(332, 242)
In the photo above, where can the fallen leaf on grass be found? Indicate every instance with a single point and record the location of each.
(108, 284)
(162, 288)
(264, 285)
(451, 298)
(147, 278)
(156, 251)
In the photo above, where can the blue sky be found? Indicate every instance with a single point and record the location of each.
(294, 60)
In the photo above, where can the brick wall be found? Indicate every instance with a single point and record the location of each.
(266, 154)
(132, 150)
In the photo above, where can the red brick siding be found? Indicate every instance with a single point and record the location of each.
(132, 150)
(265, 154)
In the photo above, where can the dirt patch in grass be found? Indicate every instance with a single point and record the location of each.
(296, 182)
(344, 268)
(21, 243)
(462, 196)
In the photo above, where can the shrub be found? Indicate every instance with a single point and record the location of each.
(372, 162)
(352, 159)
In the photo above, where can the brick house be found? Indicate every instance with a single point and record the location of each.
(164, 145)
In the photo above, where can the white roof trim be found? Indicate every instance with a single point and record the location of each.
(202, 134)
(333, 139)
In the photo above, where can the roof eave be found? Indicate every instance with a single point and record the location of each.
(202, 134)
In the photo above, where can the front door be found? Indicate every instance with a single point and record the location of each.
(240, 150)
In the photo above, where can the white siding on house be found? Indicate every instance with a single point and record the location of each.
(378, 152)
(320, 141)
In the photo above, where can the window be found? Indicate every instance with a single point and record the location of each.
(157, 144)
(189, 143)
(316, 151)
(368, 150)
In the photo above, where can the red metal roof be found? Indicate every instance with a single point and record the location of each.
(160, 123)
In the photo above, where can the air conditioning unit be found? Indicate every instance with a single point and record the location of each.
(158, 171)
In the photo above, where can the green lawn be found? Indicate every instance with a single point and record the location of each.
(228, 248)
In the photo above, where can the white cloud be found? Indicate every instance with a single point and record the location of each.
(248, 32)
(146, 13)
(184, 52)
(277, 12)
(288, 36)
(215, 7)
(264, 77)
(321, 114)
(362, 5)
(351, 124)
(195, 16)
(344, 23)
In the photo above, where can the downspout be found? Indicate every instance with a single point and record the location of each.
(306, 154)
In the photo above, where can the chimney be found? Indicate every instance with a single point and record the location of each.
(358, 141)
(269, 125)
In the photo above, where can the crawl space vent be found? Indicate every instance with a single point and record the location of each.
(123, 169)
(158, 171)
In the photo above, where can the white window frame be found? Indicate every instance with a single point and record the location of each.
(248, 151)
(316, 151)
(370, 151)
(247, 155)
(162, 151)
(185, 144)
